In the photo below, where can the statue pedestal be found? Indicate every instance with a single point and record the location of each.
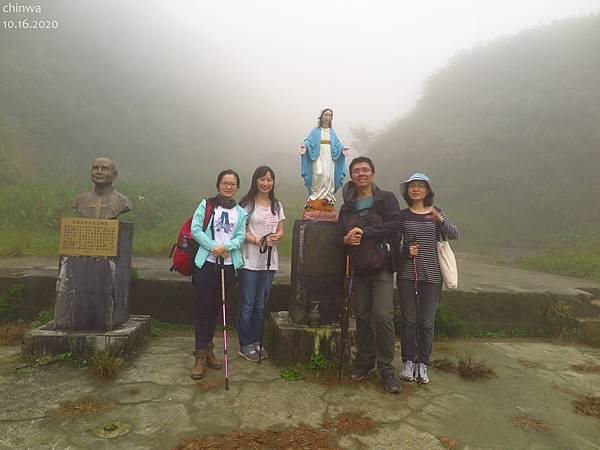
(289, 343)
(92, 292)
(122, 340)
(316, 275)
(312, 324)
(92, 306)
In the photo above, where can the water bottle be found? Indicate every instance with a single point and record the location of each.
(185, 245)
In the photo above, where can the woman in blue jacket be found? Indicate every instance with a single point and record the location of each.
(222, 239)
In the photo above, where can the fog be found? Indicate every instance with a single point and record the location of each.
(180, 80)
(366, 59)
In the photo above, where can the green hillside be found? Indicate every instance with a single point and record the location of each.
(509, 131)
(118, 82)
(126, 82)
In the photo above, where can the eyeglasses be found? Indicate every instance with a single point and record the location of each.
(362, 170)
(228, 184)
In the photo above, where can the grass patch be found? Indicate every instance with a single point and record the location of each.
(471, 369)
(579, 257)
(587, 405)
(162, 329)
(82, 406)
(105, 364)
(529, 423)
(44, 316)
(465, 366)
(558, 320)
(10, 303)
(30, 215)
(291, 374)
(319, 369)
(447, 322)
(50, 358)
(501, 333)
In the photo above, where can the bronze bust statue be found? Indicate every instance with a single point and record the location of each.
(104, 202)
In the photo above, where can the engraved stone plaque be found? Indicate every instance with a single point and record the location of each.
(88, 237)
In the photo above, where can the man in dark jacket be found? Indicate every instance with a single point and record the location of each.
(367, 227)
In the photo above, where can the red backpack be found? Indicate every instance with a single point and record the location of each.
(184, 252)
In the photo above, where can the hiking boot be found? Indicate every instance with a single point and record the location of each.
(252, 355)
(422, 376)
(200, 367)
(391, 383)
(263, 354)
(408, 371)
(360, 372)
(211, 360)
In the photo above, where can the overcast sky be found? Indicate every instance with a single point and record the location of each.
(366, 59)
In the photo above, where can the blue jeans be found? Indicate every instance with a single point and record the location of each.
(254, 292)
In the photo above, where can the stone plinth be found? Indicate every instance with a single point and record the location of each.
(124, 339)
(289, 343)
(316, 274)
(92, 292)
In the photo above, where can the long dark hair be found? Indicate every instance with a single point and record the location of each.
(249, 198)
(320, 118)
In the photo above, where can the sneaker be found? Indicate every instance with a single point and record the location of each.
(252, 355)
(360, 372)
(408, 371)
(391, 383)
(264, 354)
(422, 376)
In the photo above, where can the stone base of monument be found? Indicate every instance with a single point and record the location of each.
(124, 339)
(289, 343)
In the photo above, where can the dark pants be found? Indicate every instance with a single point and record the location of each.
(429, 295)
(207, 281)
(374, 309)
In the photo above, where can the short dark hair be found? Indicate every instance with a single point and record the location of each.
(362, 159)
(228, 172)
(427, 201)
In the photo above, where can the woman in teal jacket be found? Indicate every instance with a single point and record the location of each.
(221, 241)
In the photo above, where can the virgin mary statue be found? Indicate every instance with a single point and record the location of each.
(323, 167)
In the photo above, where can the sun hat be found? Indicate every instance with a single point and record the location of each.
(418, 176)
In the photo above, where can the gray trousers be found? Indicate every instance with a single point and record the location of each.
(429, 295)
(374, 309)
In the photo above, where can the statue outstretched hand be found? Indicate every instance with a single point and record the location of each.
(302, 149)
(346, 151)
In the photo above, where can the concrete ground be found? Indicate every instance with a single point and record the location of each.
(154, 404)
(475, 275)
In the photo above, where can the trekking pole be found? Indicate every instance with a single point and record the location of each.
(345, 324)
(269, 250)
(417, 307)
(221, 262)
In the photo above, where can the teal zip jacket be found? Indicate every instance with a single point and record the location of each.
(206, 241)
